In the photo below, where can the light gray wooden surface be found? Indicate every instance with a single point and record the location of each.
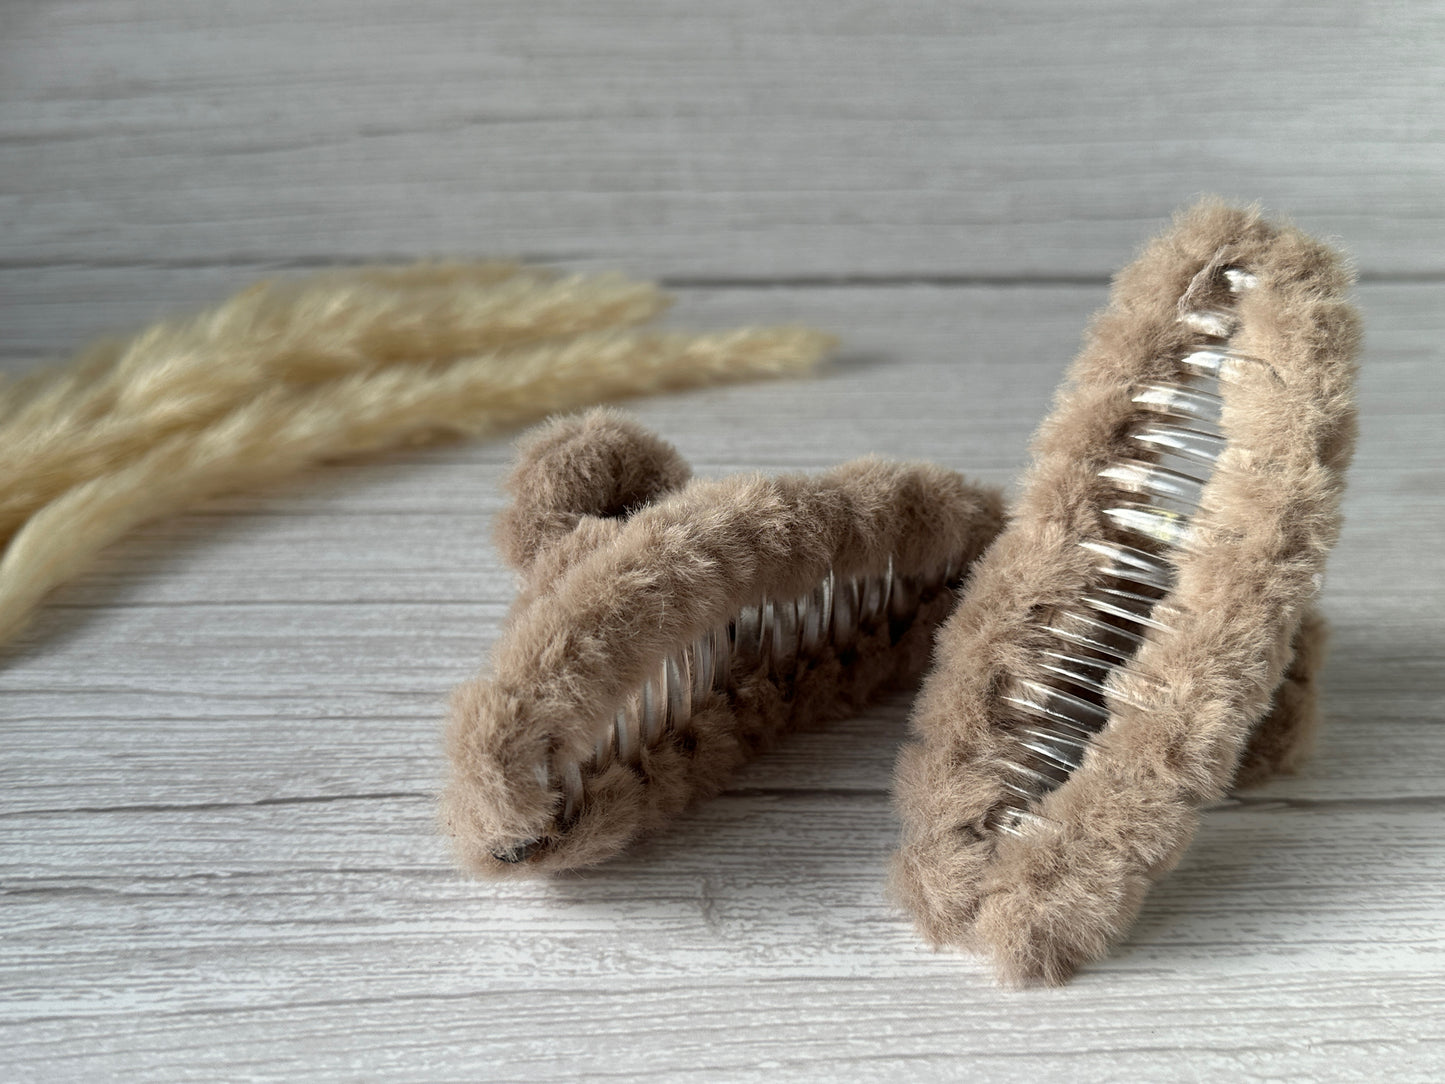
(219, 751)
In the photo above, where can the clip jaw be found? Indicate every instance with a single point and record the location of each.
(670, 630)
(1110, 669)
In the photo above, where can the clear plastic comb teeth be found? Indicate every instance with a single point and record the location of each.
(776, 638)
(1181, 402)
(1158, 490)
(1159, 485)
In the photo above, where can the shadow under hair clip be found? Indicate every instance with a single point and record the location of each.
(1108, 668)
(667, 630)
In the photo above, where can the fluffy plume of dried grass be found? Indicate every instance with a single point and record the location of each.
(279, 378)
(120, 398)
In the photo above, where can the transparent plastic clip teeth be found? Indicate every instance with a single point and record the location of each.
(1159, 491)
(775, 637)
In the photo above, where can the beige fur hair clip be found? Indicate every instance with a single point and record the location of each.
(1116, 649)
(668, 629)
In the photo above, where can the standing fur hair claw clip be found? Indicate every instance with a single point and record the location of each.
(1112, 665)
(668, 630)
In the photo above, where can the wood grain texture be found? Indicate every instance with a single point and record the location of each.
(219, 751)
(743, 138)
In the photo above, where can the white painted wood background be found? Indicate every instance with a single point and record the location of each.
(219, 751)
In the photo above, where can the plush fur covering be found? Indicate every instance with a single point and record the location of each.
(1046, 902)
(623, 560)
(1284, 737)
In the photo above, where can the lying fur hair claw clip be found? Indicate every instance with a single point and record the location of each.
(1108, 668)
(668, 630)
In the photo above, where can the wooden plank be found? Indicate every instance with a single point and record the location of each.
(733, 139)
(333, 935)
(1309, 1027)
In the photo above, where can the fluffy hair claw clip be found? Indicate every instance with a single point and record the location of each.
(668, 629)
(1120, 644)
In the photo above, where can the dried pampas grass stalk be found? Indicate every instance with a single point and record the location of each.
(120, 398)
(347, 363)
(356, 303)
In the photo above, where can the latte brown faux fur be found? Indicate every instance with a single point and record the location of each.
(1284, 737)
(1065, 887)
(624, 560)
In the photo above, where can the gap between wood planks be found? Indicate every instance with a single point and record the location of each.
(311, 262)
(1246, 802)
